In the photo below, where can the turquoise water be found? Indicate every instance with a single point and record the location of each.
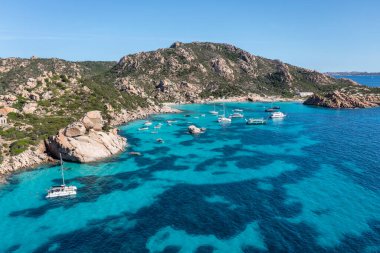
(308, 183)
(372, 81)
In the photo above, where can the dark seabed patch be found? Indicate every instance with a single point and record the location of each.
(308, 183)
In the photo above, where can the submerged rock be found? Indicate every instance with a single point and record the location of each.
(84, 141)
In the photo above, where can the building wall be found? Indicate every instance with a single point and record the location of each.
(3, 121)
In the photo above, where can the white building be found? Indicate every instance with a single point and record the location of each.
(3, 120)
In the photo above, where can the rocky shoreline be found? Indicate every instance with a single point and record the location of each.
(338, 100)
(38, 155)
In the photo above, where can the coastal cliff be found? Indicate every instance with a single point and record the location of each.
(84, 141)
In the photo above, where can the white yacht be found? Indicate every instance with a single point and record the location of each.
(148, 123)
(61, 190)
(277, 115)
(238, 110)
(214, 112)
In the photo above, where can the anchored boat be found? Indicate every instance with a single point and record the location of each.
(257, 121)
(222, 118)
(236, 115)
(214, 112)
(277, 115)
(61, 190)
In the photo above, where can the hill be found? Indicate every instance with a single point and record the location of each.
(186, 71)
(40, 96)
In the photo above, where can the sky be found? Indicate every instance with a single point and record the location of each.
(324, 35)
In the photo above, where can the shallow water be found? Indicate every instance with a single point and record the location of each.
(308, 183)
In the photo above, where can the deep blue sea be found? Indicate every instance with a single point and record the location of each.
(307, 183)
(371, 81)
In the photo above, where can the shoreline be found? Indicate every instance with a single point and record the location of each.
(248, 98)
(29, 159)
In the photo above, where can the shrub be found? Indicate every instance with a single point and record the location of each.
(19, 146)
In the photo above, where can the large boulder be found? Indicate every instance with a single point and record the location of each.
(195, 130)
(30, 107)
(75, 129)
(84, 141)
(93, 120)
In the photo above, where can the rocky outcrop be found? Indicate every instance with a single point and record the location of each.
(221, 67)
(75, 129)
(84, 141)
(5, 110)
(195, 130)
(27, 159)
(339, 99)
(30, 107)
(93, 120)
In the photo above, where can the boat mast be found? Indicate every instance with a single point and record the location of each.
(63, 177)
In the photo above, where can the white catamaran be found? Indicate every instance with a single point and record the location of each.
(61, 190)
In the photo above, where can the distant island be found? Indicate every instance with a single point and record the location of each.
(353, 73)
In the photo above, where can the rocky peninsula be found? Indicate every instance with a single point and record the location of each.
(339, 99)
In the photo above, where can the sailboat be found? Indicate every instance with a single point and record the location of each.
(214, 112)
(223, 119)
(61, 190)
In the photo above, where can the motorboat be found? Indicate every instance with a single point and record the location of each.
(61, 190)
(143, 128)
(159, 140)
(256, 121)
(170, 122)
(148, 123)
(270, 110)
(236, 115)
(277, 115)
(237, 110)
